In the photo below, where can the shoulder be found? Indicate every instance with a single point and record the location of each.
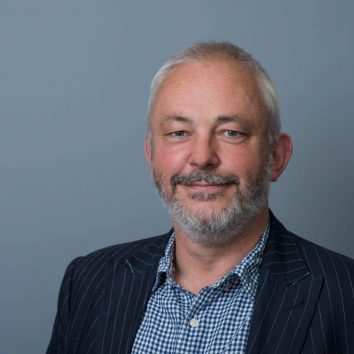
(91, 269)
(120, 252)
(321, 261)
(332, 265)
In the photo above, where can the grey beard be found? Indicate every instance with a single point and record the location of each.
(211, 229)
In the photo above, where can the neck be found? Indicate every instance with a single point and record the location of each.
(198, 265)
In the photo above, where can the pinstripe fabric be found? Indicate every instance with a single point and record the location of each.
(304, 301)
(102, 298)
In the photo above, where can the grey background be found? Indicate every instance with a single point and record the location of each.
(74, 78)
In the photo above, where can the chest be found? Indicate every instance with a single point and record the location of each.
(217, 320)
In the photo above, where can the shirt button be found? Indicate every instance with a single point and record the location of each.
(194, 322)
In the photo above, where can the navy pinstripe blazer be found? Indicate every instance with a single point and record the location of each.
(304, 301)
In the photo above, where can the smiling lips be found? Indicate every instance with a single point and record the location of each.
(204, 186)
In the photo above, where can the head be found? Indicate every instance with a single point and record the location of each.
(214, 141)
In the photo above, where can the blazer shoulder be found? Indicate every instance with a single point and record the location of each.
(85, 273)
(321, 260)
(125, 250)
(296, 252)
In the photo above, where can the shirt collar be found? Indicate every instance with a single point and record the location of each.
(165, 268)
(247, 271)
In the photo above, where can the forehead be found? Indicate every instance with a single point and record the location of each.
(209, 88)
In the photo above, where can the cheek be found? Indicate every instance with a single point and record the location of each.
(168, 162)
(244, 163)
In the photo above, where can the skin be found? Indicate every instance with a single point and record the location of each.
(210, 116)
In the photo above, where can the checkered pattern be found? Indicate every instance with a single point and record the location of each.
(220, 313)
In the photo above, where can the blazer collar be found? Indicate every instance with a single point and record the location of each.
(139, 261)
(286, 297)
(282, 256)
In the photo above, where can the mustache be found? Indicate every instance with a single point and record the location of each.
(207, 177)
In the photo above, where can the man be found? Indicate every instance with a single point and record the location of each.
(229, 278)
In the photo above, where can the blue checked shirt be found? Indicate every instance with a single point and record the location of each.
(217, 320)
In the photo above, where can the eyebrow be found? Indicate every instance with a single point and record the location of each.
(175, 118)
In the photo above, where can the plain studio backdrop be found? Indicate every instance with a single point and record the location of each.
(74, 80)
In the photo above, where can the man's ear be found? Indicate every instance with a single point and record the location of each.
(281, 154)
(147, 149)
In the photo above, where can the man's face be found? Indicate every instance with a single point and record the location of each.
(209, 150)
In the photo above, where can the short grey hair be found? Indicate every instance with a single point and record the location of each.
(211, 50)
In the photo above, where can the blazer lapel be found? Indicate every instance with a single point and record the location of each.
(128, 284)
(286, 296)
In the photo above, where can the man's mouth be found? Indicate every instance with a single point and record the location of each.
(205, 187)
(204, 179)
(203, 184)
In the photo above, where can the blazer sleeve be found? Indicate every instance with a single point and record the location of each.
(57, 342)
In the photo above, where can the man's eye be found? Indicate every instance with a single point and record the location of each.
(178, 133)
(231, 133)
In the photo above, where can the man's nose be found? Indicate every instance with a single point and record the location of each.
(204, 154)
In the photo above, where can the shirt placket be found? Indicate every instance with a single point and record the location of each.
(190, 339)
